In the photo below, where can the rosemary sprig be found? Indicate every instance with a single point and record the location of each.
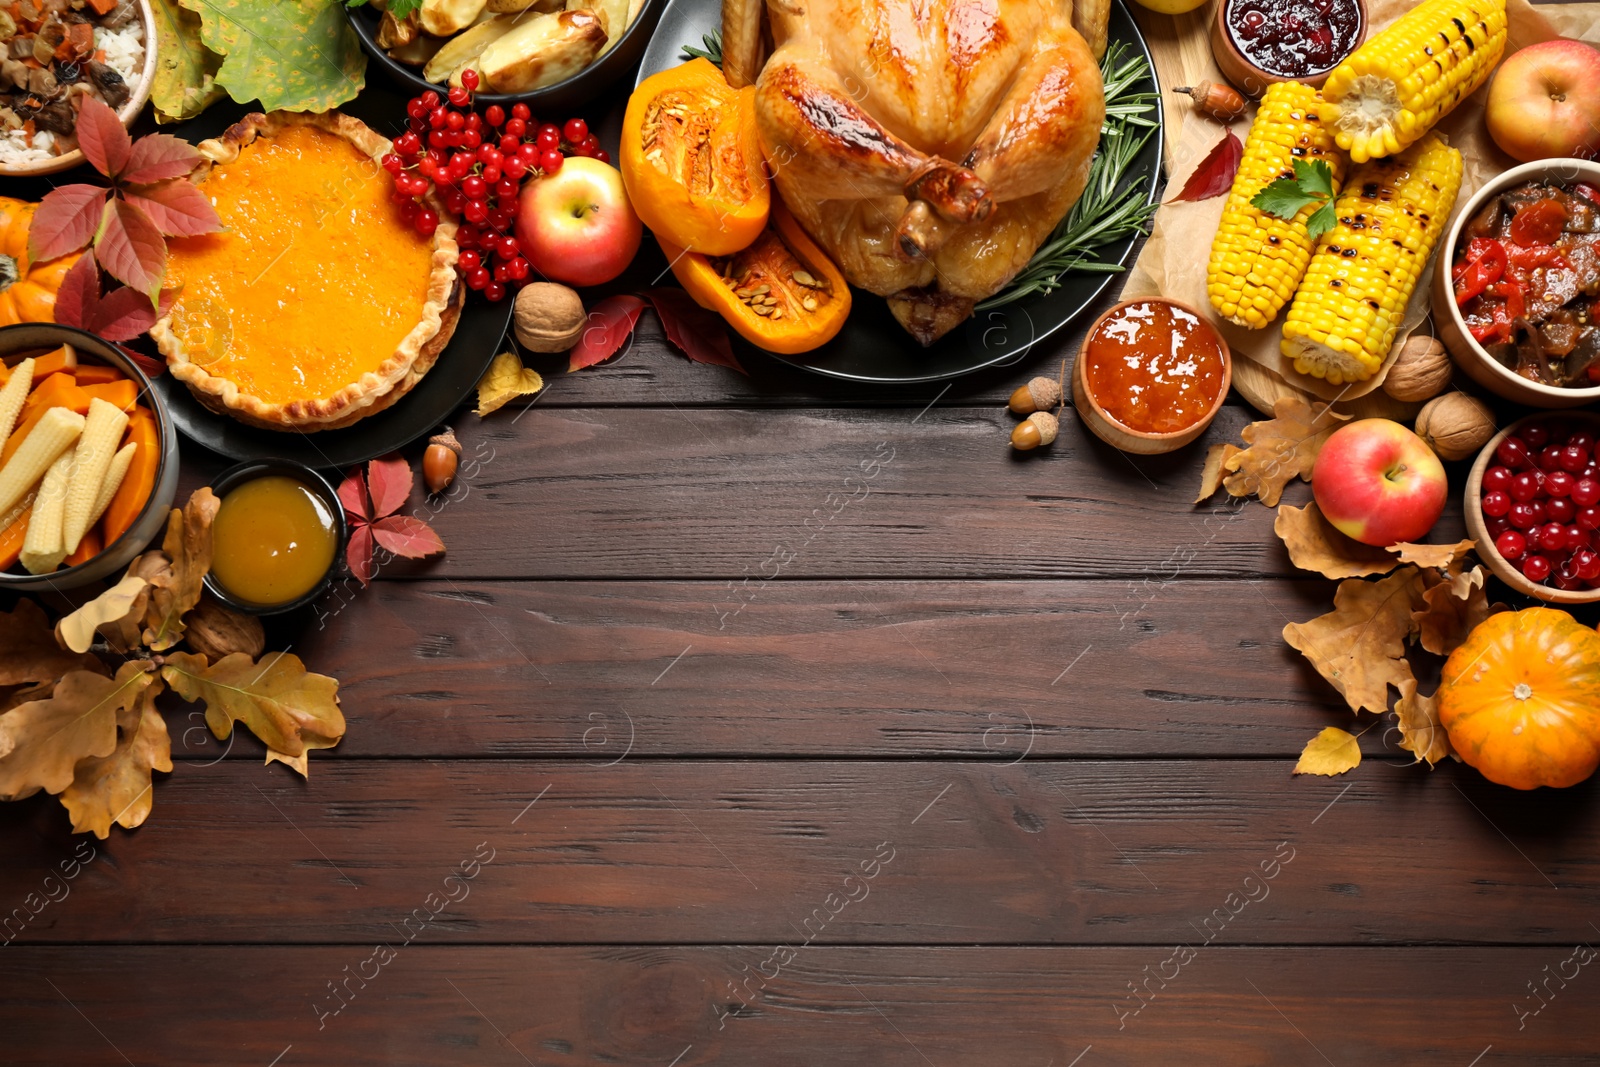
(1108, 210)
(712, 50)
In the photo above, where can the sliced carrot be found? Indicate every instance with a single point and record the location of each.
(87, 549)
(62, 359)
(96, 374)
(11, 539)
(124, 393)
(102, 7)
(140, 480)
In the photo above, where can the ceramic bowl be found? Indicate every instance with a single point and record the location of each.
(151, 521)
(1480, 533)
(1245, 75)
(1452, 329)
(1114, 433)
(250, 470)
(140, 87)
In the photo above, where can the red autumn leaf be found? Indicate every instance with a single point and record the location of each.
(79, 293)
(153, 368)
(67, 219)
(102, 137)
(125, 313)
(157, 156)
(407, 536)
(177, 208)
(353, 494)
(389, 480)
(1214, 175)
(358, 553)
(610, 323)
(131, 249)
(697, 333)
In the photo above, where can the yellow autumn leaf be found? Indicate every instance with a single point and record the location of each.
(1282, 448)
(277, 699)
(117, 788)
(1451, 609)
(1360, 646)
(1421, 732)
(505, 380)
(43, 740)
(186, 70)
(1211, 473)
(1331, 752)
(174, 592)
(1447, 556)
(1314, 544)
(76, 631)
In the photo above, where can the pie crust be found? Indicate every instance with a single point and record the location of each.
(374, 389)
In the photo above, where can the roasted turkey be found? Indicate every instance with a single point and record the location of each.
(929, 146)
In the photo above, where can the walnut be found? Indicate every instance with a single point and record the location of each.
(549, 317)
(1455, 425)
(1420, 372)
(215, 631)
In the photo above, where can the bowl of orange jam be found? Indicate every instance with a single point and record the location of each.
(1151, 376)
(276, 538)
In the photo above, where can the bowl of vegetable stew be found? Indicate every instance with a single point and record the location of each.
(1516, 293)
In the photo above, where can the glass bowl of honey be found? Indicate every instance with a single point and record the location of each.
(1151, 376)
(275, 541)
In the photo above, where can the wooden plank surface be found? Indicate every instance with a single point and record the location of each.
(1038, 852)
(852, 1007)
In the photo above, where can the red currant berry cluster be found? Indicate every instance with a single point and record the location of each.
(1541, 504)
(477, 163)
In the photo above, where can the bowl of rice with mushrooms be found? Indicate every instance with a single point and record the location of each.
(52, 54)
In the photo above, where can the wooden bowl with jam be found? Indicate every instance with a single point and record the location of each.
(1151, 375)
(1258, 42)
(276, 538)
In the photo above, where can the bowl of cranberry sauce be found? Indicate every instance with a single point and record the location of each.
(1258, 42)
(1533, 506)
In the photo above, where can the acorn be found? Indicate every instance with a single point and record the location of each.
(1035, 430)
(1220, 102)
(440, 460)
(1040, 394)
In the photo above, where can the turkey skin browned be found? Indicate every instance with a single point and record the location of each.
(930, 146)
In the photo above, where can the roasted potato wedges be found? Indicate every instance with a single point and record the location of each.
(466, 47)
(541, 51)
(444, 17)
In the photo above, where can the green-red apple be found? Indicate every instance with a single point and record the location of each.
(1377, 482)
(1545, 102)
(576, 225)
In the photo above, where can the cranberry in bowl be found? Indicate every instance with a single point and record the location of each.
(1258, 42)
(1533, 506)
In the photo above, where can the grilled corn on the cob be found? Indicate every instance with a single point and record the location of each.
(1257, 259)
(1391, 213)
(1391, 90)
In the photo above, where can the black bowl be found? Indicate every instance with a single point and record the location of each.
(562, 98)
(243, 472)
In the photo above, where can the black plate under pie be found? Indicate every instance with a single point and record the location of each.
(455, 374)
(873, 347)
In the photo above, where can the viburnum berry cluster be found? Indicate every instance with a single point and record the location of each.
(1541, 504)
(476, 163)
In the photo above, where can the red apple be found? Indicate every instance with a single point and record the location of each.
(576, 225)
(1545, 102)
(1377, 482)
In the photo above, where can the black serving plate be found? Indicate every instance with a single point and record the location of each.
(873, 347)
(550, 103)
(477, 339)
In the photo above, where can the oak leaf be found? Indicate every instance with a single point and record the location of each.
(301, 764)
(29, 652)
(1360, 646)
(1314, 544)
(188, 546)
(126, 634)
(505, 380)
(1421, 732)
(1443, 556)
(117, 788)
(1281, 449)
(277, 699)
(1446, 617)
(1211, 474)
(76, 631)
(1331, 752)
(43, 740)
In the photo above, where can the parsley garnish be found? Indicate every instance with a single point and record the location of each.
(398, 8)
(1312, 184)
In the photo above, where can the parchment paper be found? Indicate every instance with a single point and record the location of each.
(1173, 262)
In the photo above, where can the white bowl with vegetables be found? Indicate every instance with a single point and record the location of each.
(89, 462)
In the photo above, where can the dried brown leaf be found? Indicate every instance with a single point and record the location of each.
(1211, 474)
(1331, 752)
(1446, 618)
(1281, 449)
(29, 652)
(280, 702)
(76, 631)
(1421, 732)
(117, 788)
(1360, 646)
(1315, 545)
(188, 546)
(1433, 555)
(215, 631)
(126, 634)
(42, 741)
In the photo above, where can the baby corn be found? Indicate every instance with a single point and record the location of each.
(42, 551)
(112, 482)
(1391, 213)
(55, 432)
(1257, 259)
(101, 432)
(13, 395)
(1391, 90)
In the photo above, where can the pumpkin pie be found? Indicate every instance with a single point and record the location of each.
(316, 305)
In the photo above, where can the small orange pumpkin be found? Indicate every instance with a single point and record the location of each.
(27, 290)
(1520, 699)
